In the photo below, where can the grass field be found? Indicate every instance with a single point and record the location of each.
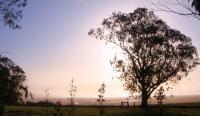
(109, 111)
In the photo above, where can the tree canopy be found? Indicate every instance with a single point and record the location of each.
(12, 82)
(153, 53)
(11, 12)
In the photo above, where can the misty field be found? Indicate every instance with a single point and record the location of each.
(109, 111)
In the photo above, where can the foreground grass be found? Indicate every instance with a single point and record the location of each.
(109, 111)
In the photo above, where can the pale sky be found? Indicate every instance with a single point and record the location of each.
(53, 46)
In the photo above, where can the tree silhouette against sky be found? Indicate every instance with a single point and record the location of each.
(11, 12)
(13, 88)
(72, 89)
(151, 52)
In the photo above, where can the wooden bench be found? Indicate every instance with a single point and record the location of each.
(125, 103)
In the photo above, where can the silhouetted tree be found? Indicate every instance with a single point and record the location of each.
(12, 82)
(72, 93)
(151, 52)
(101, 91)
(46, 101)
(11, 12)
(189, 7)
(58, 111)
(101, 99)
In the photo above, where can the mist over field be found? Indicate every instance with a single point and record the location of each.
(116, 101)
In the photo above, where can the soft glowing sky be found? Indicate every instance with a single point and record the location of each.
(53, 46)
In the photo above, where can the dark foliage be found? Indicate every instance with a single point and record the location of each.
(160, 95)
(196, 5)
(58, 111)
(40, 103)
(12, 82)
(153, 53)
(11, 12)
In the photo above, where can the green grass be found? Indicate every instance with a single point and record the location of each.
(110, 111)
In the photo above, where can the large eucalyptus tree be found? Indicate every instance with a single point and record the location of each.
(153, 53)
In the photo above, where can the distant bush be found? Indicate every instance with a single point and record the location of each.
(40, 103)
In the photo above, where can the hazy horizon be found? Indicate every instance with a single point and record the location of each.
(116, 101)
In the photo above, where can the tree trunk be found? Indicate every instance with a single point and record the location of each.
(145, 97)
(2, 109)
